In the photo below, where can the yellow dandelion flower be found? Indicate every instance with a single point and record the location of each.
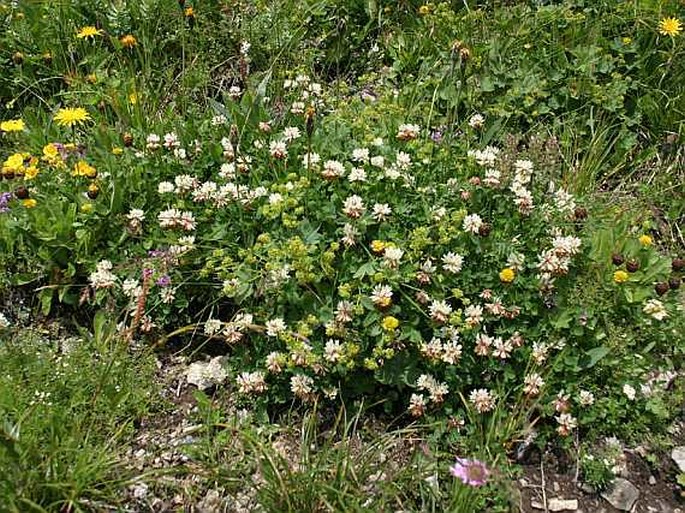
(92, 78)
(620, 276)
(12, 125)
(71, 116)
(30, 173)
(133, 98)
(390, 323)
(82, 168)
(13, 162)
(117, 150)
(29, 203)
(87, 208)
(645, 240)
(128, 41)
(189, 12)
(507, 275)
(424, 9)
(88, 32)
(670, 27)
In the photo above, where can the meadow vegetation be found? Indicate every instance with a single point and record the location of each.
(395, 246)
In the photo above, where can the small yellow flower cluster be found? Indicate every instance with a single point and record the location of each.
(20, 165)
(620, 276)
(12, 125)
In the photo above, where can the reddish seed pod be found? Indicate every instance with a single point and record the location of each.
(617, 259)
(632, 266)
(661, 288)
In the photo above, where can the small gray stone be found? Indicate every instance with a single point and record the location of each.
(622, 495)
(652, 480)
(557, 505)
(678, 455)
(556, 487)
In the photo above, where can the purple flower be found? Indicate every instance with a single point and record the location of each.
(147, 273)
(164, 280)
(5, 197)
(436, 136)
(471, 472)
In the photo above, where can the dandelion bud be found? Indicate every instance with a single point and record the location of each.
(47, 58)
(580, 214)
(18, 58)
(464, 54)
(661, 288)
(632, 266)
(617, 259)
(678, 264)
(309, 120)
(21, 192)
(128, 140)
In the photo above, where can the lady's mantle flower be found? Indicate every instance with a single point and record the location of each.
(471, 472)
(12, 125)
(71, 116)
(88, 32)
(670, 27)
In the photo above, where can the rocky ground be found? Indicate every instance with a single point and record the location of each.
(169, 479)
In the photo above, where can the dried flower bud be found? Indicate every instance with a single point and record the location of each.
(632, 266)
(661, 288)
(21, 192)
(128, 140)
(617, 259)
(674, 283)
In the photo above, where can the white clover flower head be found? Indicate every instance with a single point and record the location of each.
(472, 223)
(275, 326)
(452, 262)
(482, 400)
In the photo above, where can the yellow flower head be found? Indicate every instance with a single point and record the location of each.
(645, 240)
(378, 246)
(29, 203)
(71, 116)
(30, 173)
(424, 9)
(12, 125)
(670, 27)
(92, 78)
(189, 12)
(13, 163)
(133, 98)
(507, 275)
(390, 323)
(82, 168)
(88, 32)
(87, 208)
(620, 276)
(117, 150)
(128, 41)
